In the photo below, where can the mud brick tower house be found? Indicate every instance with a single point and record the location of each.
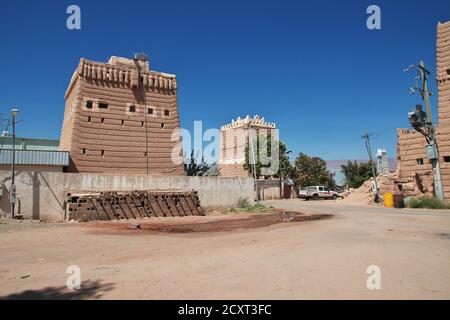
(411, 155)
(119, 118)
(233, 140)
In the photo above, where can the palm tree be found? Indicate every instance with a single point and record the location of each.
(356, 174)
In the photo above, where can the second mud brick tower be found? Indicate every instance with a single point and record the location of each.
(412, 159)
(120, 118)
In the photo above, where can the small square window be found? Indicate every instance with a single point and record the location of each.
(420, 161)
(89, 104)
(150, 110)
(132, 109)
(166, 112)
(448, 72)
(103, 105)
(446, 158)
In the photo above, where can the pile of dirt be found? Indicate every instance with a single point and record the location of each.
(361, 195)
(392, 183)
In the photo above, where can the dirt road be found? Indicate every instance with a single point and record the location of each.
(322, 259)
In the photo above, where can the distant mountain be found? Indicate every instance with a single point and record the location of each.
(336, 164)
(335, 167)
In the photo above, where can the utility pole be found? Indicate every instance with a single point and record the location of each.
(422, 122)
(252, 150)
(12, 190)
(281, 172)
(366, 137)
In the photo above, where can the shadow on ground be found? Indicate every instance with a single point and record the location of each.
(89, 290)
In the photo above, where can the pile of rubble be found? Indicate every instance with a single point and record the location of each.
(392, 183)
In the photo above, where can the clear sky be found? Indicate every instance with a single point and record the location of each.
(312, 67)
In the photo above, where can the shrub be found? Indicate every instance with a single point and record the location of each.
(257, 208)
(427, 202)
(252, 208)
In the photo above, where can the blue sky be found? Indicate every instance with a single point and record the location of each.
(312, 67)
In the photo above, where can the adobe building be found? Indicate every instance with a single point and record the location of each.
(233, 140)
(119, 118)
(412, 159)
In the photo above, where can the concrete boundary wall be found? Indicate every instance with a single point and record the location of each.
(42, 195)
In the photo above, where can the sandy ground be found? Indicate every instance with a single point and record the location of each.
(325, 259)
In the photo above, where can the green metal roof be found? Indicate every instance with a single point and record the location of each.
(29, 144)
(36, 157)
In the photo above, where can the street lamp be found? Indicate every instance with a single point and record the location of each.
(14, 113)
(252, 150)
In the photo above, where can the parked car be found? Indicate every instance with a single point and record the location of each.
(317, 192)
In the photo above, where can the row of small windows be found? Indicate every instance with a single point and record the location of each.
(102, 120)
(83, 151)
(149, 110)
(421, 161)
(102, 152)
(102, 105)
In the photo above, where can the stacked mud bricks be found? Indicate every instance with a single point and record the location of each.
(119, 118)
(132, 205)
(233, 140)
(411, 154)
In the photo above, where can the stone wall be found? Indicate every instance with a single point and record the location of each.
(42, 195)
(120, 117)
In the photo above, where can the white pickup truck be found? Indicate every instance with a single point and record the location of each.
(317, 192)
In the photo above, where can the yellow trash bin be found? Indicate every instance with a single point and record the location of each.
(389, 200)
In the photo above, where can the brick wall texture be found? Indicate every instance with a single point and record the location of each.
(119, 118)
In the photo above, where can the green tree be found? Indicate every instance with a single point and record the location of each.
(282, 162)
(192, 168)
(312, 171)
(356, 174)
(285, 168)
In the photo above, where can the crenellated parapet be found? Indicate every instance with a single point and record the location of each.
(256, 121)
(123, 75)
